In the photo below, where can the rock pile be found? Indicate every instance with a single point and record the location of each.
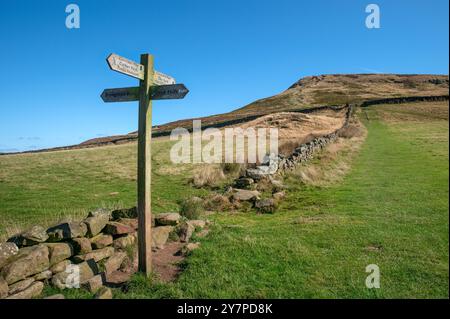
(89, 254)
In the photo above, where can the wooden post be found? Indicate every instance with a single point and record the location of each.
(144, 173)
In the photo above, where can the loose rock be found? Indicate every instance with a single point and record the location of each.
(114, 262)
(125, 241)
(45, 275)
(96, 255)
(20, 286)
(245, 195)
(4, 289)
(160, 236)
(59, 251)
(57, 296)
(97, 221)
(167, 219)
(125, 213)
(94, 284)
(81, 246)
(75, 275)
(61, 266)
(185, 231)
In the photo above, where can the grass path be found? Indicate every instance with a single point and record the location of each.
(391, 210)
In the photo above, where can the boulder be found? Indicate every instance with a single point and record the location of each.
(59, 251)
(125, 213)
(185, 231)
(115, 228)
(75, 275)
(96, 255)
(27, 262)
(104, 293)
(277, 186)
(245, 195)
(114, 262)
(96, 221)
(101, 241)
(45, 275)
(67, 230)
(94, 284)
(4, 289)
(160, 236)
(57, 296)
(7, 250)
(132, 222)
(34, 290)
(124, 241)
(20, 286)
(81, 245)
(35, 235)
(266, 206)
(167, 219)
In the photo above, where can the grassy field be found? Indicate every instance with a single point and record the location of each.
(390, 209)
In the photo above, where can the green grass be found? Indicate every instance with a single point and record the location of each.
(42, 188)
(391, 209)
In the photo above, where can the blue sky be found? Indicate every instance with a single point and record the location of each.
(228, 53)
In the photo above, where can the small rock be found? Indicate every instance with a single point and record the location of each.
(59, 251)
(67, 231)
(185, 231)
(101, 241)
(125, 213)
(96, 255)
(45, 275)
(266, 206)
(57, 296)
(115, 228)
(32, 291)
(167, 219)
(160, 236)
(124, 241)
(94, 284)
(114, 262)
(7, 250)
(61, 266)
(104, 293)
(20, 286)
(81, 246)
(245, 195)
(279, 196)
(27, 262)
(256, 173)
(4, 289)
(117, 278)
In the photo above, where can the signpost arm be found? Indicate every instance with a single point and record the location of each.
(144, 168)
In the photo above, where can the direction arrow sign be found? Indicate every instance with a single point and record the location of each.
(164, 92)
(125, 66)
(162, 79)
(121, 95)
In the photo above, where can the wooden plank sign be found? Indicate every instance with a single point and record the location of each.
(162, 79)
(121, 95)
(165, 92)
(125, 66)
(147, 91)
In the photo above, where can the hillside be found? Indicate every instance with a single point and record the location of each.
(307, 93)
(313, 91)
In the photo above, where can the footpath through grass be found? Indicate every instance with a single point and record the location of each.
(391, 210)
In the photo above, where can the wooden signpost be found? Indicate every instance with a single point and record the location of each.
(147, 91)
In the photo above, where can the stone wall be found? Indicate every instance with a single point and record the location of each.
(96, 252)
